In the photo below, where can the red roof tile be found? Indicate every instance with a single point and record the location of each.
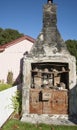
(2, 47)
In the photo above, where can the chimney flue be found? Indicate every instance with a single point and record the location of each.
(50, 1)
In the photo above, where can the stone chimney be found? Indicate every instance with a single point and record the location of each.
(49, 40)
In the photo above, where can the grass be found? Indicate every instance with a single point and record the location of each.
(18, 125)
(4, 86)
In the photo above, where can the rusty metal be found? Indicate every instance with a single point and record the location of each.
(51, 102)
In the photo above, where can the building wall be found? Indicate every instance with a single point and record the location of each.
(11, 57)
(6, 108)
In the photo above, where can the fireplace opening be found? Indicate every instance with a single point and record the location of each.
(49, 88)
(51, 75)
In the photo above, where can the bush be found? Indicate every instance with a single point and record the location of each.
(17, 102)
(10, 77)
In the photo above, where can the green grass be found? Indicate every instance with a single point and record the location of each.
(4, 86)
(18, 125)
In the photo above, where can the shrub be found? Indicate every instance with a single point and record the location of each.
(17, 102)
(10, 77)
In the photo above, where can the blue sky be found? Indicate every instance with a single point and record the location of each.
(26, 16)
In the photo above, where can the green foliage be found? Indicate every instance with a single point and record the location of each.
(72, 47)
(4, 86)
(17, 102)
(10, 77)
(18, 125)
(8, 35)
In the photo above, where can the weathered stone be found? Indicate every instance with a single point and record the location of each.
(49, 47)
(50, 36)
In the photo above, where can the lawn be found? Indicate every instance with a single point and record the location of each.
(4, 86)
(18, 125)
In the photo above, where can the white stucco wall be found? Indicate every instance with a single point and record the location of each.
(6, 108)
(10, 58)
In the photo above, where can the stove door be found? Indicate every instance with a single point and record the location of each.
(48, 101)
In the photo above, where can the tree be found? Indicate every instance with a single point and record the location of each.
(8, 35)
(72, 47)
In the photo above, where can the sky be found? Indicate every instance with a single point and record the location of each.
(26, 16)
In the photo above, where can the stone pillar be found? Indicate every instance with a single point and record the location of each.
(26, 86)
(72, 86)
